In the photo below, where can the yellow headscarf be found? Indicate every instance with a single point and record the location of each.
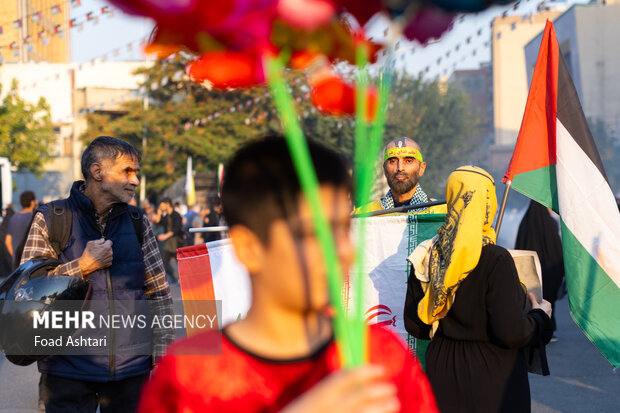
(443, 262)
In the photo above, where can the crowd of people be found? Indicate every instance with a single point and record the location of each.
(463, 293)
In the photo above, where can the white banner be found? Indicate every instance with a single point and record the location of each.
(389, 240)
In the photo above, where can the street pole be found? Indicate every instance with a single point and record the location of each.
(502, 207)
(144, 131)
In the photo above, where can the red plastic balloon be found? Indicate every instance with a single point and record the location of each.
(227, 69)
(334, 96)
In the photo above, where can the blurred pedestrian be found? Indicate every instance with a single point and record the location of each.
(538, 232)
(171, 225)
(6, 260)
(20, 223)
(211, 218)
(192, 219)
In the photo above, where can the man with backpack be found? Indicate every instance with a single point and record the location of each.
(97, 236)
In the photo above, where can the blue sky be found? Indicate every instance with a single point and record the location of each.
(108, 35)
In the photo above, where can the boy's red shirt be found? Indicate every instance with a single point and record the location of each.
(238, 381)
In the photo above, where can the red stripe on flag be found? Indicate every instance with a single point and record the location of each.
(196, 281)
(535, 146)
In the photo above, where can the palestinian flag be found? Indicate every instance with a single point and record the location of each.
(556, 163)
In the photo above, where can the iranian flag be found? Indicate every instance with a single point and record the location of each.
(556, 163)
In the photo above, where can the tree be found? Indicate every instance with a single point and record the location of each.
(184, 118)
(26, 131)
(437, 116)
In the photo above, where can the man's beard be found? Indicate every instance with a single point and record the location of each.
(400, 187)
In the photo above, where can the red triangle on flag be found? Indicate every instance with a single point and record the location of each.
(535, 146)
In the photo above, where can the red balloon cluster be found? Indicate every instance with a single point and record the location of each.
(233, 37)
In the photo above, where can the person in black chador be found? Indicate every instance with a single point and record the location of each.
(538, 232)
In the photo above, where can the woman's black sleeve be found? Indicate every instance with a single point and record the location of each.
(413, 324)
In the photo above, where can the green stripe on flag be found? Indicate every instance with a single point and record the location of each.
(539, 185)
(420, 228)
(593, 297)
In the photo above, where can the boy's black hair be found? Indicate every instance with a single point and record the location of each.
(106, 147)
(26, 198)
(261, 184)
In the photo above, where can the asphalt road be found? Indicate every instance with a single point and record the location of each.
(581, 379)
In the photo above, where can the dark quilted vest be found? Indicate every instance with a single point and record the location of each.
(126, 276)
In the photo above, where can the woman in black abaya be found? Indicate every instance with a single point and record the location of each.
(464, 293)
(538, 232)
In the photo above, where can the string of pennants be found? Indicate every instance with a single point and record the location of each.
(136, 44)
(464, 48)
(461, 49)
(50, 28)
(248, 103)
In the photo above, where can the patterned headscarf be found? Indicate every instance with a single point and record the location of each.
(444, 261)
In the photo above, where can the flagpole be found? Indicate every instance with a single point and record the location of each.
(502, 207)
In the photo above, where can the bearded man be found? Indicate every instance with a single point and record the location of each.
(403, 166)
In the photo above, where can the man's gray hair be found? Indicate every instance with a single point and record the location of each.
(106, 147)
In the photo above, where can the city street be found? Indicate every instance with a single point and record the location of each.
(581, 379)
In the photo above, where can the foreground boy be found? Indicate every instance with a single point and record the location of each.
(282, 357)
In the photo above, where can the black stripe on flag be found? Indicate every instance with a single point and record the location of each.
(572, 117)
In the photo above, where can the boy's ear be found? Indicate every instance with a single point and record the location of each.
(248, 247)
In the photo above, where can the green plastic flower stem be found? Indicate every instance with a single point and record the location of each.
(366, 149)
(309, 183)
(358, 324)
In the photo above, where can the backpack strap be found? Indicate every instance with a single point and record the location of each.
(138, 222)
(61, 221)
(60, 224)
(59, 228)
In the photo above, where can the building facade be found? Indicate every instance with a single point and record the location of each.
(34, 31)
(478, 85)
(588, 37)
(510, 85)
(72, 90)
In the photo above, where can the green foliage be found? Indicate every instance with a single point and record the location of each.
(439, 118)
(26, 131)
(184, 118)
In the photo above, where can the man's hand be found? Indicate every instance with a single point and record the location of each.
(96, 256)
(544, 304)
(362, 390)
